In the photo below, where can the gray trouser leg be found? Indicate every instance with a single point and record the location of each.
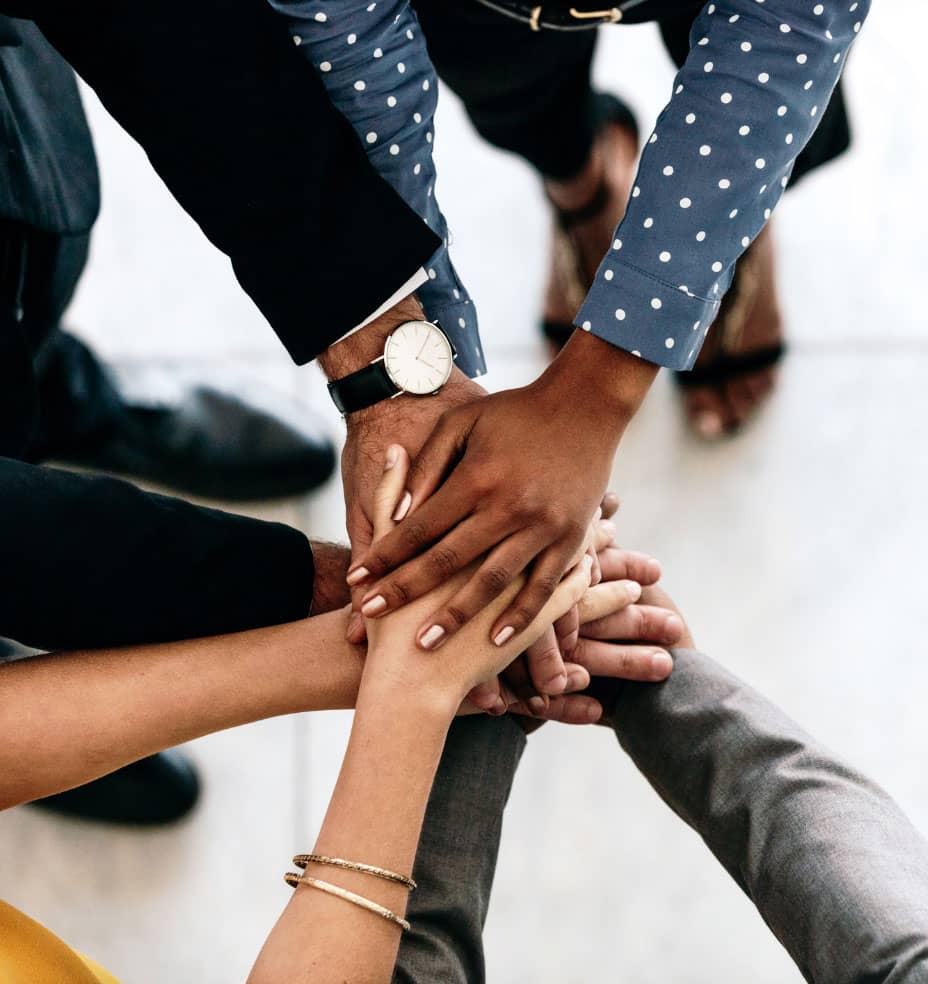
(457, 853)
(834, 867)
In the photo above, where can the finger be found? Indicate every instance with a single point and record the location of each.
(637, 623)
(578, 677)
(518, 683)
(605, 533)
(546, 664)
(542, 583)
(437, 457)
(452, 503)
(607, 598)
(487, 583)
(568, 709)
(622, 661)
(390, 489)
(430, 570)
(567, 630)
(488, 696)
(596, 574)
(610, 505)
(620, 564)
(360, 533)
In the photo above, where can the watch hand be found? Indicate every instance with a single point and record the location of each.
(421, 350)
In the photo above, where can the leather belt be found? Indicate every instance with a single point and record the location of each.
(560, 17)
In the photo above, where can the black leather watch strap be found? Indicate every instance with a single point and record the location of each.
(363, 388)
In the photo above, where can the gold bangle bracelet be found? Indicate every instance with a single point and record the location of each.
(301, 860)
(294, 880)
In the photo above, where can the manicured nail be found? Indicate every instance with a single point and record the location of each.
(393, 455)
(557, 684)
(357, 575)
(634, 590)
(503, 636)
(431, 637)
(661, 665)
(537, 705)
(403, 507)
(374, 606)
(709, 425)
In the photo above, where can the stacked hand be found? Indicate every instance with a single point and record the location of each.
(606, 612)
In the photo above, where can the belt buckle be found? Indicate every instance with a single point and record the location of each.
(611, 15)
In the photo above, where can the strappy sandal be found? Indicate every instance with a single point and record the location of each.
(726, 334)
(568, 267)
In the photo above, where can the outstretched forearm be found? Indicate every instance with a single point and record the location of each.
(832, 864)
(67, 718)
(374, 816)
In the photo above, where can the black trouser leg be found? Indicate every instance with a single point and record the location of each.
(526, 91)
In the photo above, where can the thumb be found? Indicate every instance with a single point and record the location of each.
(437, 457)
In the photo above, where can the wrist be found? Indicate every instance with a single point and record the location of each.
(366, 344)
(330, 568)
(610, 382)
(395, 683)
(458, 390)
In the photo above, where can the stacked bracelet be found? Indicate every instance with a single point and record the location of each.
(302, 860)
(343, 893)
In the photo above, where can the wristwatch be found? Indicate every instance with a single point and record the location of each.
(417, 358)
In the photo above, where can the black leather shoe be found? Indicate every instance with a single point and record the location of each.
(153, 791)
(197, 439)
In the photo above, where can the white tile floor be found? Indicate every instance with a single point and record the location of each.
(795, 549)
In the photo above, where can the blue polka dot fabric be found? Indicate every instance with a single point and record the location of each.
(372, 59)
(746, 101)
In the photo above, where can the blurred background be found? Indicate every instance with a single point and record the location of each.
(794, 549)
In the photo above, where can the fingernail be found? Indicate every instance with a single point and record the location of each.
(709, 424)
(485, 701)
(392, 457)
(374, 606)
(575, 681)
(503, 636)
(594, 713)
(608, 527)
(661, 665)
(431, 637)
(588, 562)
(498, 708)
(403, 507)
(556, 684)
(537, 705)
(673, 626)
(357, 575)
(634, 590)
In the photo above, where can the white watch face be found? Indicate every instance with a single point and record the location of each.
(418, 357)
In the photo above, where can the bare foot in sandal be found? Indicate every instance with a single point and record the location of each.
(736, 369)
(586, 210)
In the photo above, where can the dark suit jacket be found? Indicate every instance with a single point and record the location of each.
(241, 130)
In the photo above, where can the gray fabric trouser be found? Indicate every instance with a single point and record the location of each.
(834, 867)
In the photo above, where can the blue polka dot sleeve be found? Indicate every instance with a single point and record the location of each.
(372, 59)
(747, 99)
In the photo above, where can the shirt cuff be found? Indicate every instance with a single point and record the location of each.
(414, 282)
(658, 321)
